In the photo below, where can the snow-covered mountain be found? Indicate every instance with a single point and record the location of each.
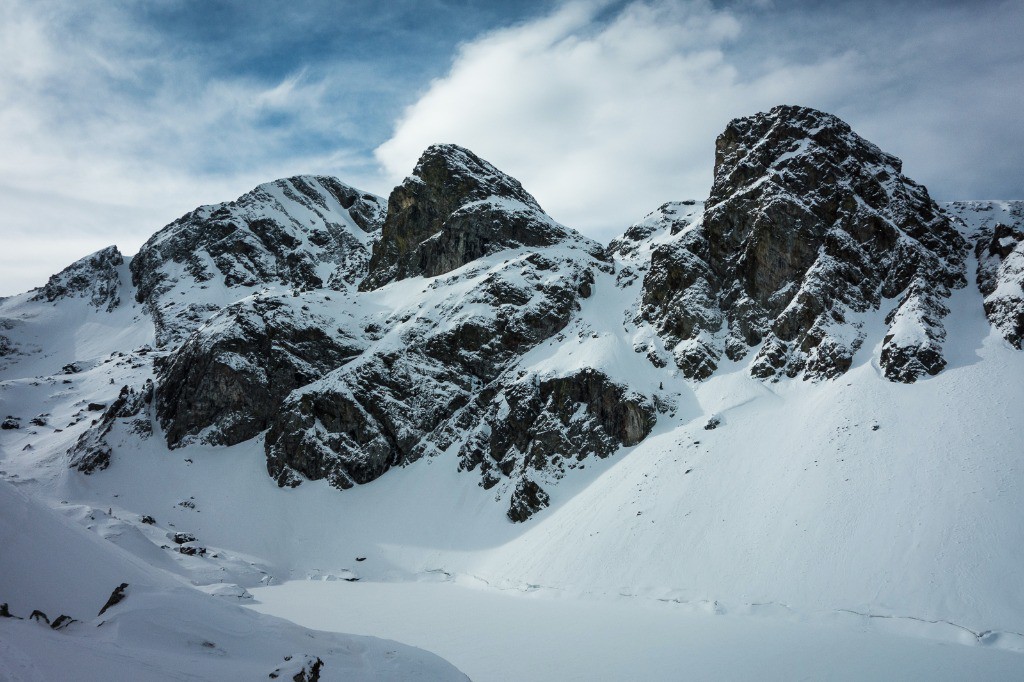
(800, 392)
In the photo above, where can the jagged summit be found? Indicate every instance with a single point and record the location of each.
(807, 228)
(304, 232)
(462, 176)
(94, 277)
(453, 209)
(751, 148)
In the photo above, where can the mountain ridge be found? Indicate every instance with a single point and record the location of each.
(270, 311)
(247, 402)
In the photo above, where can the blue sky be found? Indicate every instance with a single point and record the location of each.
(117, 117)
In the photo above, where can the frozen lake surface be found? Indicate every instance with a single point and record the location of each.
(495, 635)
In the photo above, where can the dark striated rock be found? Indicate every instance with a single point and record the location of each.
(192, 550)
(10, 423)
(454, 209)
(374, 413)
(808, 226)
(39, 617)
(7, 346)
(544, 425)
(541, 423)
(94, 277)
(92, 452)
(304, 232)
(228, 380)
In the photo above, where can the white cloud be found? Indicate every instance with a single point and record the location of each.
(605, 119)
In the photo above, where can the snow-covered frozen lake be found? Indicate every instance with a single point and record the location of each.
(496, 635)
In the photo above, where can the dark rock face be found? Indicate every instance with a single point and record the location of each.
(528, 498)
(305, 232)
(91, 453)
(376, 412)
(93, 277)
(808, 226)
(454, 209)
(7, 347)
(229, 378)
(537, 426)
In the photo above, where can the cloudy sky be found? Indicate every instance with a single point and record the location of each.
(117, 117)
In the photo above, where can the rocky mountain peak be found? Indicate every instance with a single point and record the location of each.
(460, 176)
(305, 232)
(453, 209)
(808, 227)
(94, 277)
(791, 137)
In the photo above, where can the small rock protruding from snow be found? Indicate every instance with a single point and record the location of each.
(299, 668)
(116, 597)
(528, 498)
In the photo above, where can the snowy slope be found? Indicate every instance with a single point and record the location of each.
(162, 629)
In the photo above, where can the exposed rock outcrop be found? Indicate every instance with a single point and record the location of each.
(116, 597)
(376, 412)
(1001, 280)
(540, 426)
(808, 226)
(94, 277)
(226, 382)
(303, 232)
(997, 228)
(91, 452)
